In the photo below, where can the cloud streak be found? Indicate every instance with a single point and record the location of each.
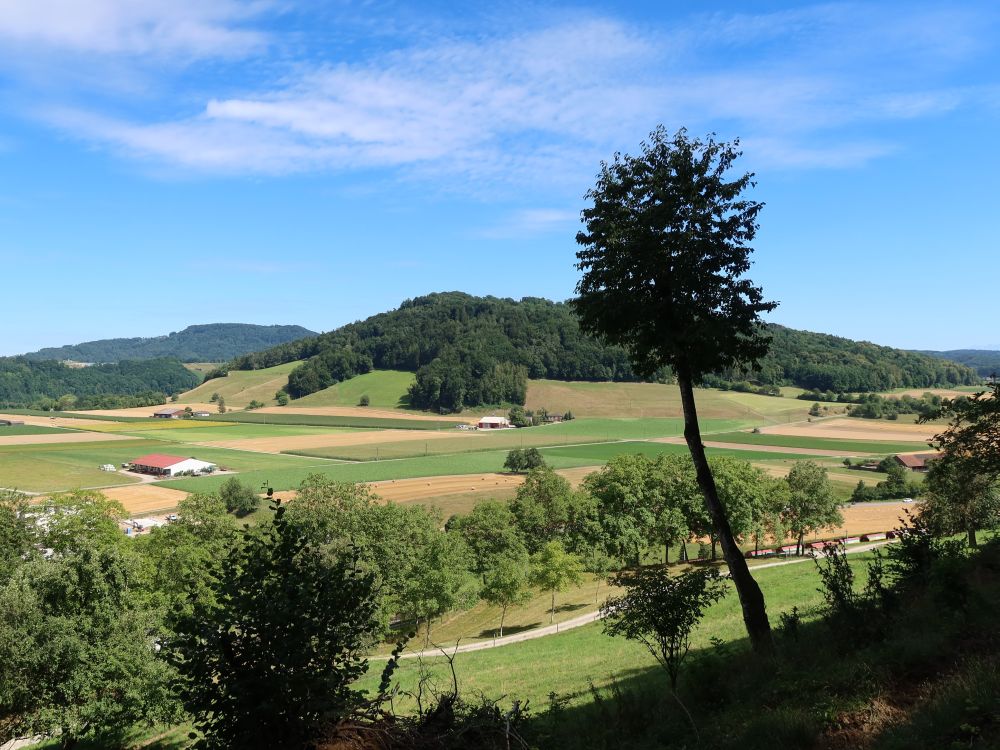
(539, 105)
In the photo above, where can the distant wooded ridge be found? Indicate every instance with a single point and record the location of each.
(212, 342)
(986, 362)
(468, 351)
(50, 384)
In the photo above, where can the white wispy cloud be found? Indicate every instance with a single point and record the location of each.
(196, 28)
(543, 104)
(530, 222)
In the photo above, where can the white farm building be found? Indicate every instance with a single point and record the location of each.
(493, 423)
(163, 465)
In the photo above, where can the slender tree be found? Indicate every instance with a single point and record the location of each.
(811, 503)
(663, 256)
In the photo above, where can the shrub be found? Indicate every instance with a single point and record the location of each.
(364, 400)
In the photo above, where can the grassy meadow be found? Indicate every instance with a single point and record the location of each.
(385, 389)
(29, 429)
(240, 387)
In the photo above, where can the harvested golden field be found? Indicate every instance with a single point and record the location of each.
(857, 429)
(658, 400)
(140, 499)
(333, 439)
(868, 518)
(67, 437)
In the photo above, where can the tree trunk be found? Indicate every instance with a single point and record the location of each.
(503, 613)
(751, 598)
(798, 545)
(682, 556)
(552, 612)
(715, 540)
(973, 542)
(666, 553)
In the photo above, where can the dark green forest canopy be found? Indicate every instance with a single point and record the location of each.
(213, 342)
(470, 350)
(984, 361)
(23, 382)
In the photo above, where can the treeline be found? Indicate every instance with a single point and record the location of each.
(876, 406)
(984, 361)
(212, 342)
(468, 351)
(822, 362)
(27, 383)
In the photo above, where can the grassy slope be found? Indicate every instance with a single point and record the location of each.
(565, 663)
(240, 387)
(385, 389)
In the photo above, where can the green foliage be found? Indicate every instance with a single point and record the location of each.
(524, 459)
(281, 397)
(255, 404)
(24, 382)
(491, 533)
(544, 508)
(364, 400)
(553, 569)
(77, 639)
(660, 611)
(239, 498)
(959, 499)
(16, 531)
(213, 342)
(518, 417)
(811, 502)
(270, 662)
(505, 584)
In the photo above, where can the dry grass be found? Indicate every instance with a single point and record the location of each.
(147, 411)
(364, 411)
(69, 423)
(67, 437)
(140, 499)
(857, 429)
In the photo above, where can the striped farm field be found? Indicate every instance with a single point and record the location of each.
(163, 425)
(224, 433)
(340, 417)
(841, 447)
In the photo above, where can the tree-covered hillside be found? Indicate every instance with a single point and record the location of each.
(469, 350)
(27, 383)
(213, 342)
(984, 361)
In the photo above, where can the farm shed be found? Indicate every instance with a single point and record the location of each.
(202, 413)
(493, 423)
(168, 413)
(916, 461)
(164, 465)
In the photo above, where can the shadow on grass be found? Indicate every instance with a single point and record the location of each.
(509, 630)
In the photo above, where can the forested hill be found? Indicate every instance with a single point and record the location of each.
(469, 350)
(213, 342)
(984, 361)
(41, 384)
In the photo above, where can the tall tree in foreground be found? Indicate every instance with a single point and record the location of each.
(664, 253)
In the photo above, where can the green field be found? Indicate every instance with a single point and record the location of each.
(240, 387)
(602, 452)
(74, 415)
(236, 431)
(29, 429)
(848, 447)
(62, 466)
(567, 662)
(324, 420)
(566, 433)
(386, 389)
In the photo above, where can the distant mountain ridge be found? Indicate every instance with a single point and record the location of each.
(984, 361)
(211, 342)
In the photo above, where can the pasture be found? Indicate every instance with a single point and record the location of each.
(240, 387)
(384, 388)
(841, 447)
(340, 417)
(28, 429)
(566, 663)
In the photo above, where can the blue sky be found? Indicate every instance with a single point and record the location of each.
(169, 162)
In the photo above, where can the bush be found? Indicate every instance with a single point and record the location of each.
(364, 400)
(255, 404)
(239, 498)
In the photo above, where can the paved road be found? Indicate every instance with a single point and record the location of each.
(580, 621)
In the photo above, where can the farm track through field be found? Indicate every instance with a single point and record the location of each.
(575, 622)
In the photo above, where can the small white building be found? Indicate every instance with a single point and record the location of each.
(493, 423)
(163, 465)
